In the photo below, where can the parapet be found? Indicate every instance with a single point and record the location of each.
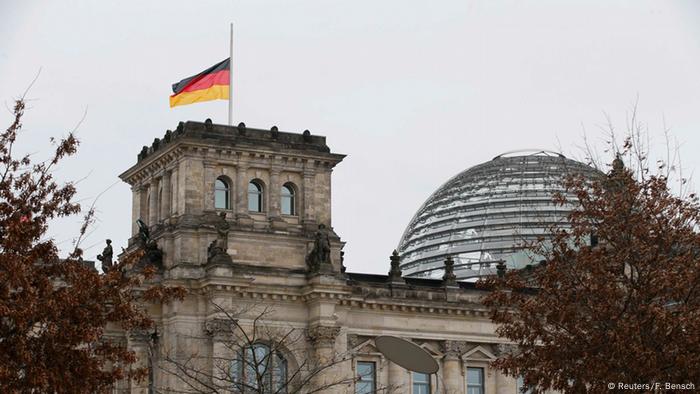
(230, 136)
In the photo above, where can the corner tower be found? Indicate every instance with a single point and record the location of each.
(272, 188)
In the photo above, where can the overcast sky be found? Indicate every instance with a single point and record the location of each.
(413, 92)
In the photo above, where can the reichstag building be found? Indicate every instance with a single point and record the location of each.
(241, 217)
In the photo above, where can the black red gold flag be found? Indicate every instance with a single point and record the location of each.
(210, 84)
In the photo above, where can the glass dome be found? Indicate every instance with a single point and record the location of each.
(486, 214)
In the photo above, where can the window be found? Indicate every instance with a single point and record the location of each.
(366, 382)
(221, 194)
(257, 366)
(255, 197)
(475, 381)
(421, 383)
(288, 199)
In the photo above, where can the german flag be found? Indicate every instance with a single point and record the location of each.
(210, 84)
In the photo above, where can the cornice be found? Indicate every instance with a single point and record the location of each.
(249, 155)
(245, 289)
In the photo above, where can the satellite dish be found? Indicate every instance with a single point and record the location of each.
(406, 354)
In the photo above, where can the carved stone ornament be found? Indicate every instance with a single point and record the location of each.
(395, 270)
(219, 327)
(453, 349)
(323, 335)
(449, 279)
(353, 341)
(503, 349)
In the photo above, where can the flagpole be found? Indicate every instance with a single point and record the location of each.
(230, 81)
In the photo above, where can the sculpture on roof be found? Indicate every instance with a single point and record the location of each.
(106, 257)
(320, 255)
(217, 250)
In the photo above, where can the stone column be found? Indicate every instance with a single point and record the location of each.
(192, 183)
(322, 339)
(242, 190)
(135, 208)
(504, 383)
(309, 218)
(208, 187)
(220, 333)
(399, 379)
(143, 204)
(165, 202)
(451, 368)
(274, 213)
(138, 343)
(174, 180)
(275, 186)
(153, 204)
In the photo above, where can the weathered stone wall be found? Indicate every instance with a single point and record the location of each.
(330, 312)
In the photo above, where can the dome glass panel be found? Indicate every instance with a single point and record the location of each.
(487, 214)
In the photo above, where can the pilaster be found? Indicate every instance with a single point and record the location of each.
(165, 202)
(153, 203)
(452, 372)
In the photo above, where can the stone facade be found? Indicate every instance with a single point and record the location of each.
(173, 185)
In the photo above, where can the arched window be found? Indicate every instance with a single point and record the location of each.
(288, 196)
(255, 196)
(221, 194)
(258, 369)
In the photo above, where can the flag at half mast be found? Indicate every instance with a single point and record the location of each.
(210, 84)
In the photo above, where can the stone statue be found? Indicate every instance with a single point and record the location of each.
(321, 253)
(222, 229)
(217, 250)
(144, 234)
(214, 250)
(106, 256)
(153, 253)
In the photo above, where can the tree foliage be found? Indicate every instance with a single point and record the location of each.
(624, 308)
(53, 311)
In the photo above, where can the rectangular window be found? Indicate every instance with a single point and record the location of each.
(475, 381)
(421, 383)
(366, 383)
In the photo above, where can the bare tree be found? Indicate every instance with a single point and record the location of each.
(616, 297)
(254, 354)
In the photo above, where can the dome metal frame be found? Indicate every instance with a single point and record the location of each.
(487, 214)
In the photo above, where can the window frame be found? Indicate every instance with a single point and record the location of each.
(226, 192)
(482, 385)
(291, 187)
(373, 381)
(260, 195)
(272, 363)
(425, 384)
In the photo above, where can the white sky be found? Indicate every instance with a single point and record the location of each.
(414, 92)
